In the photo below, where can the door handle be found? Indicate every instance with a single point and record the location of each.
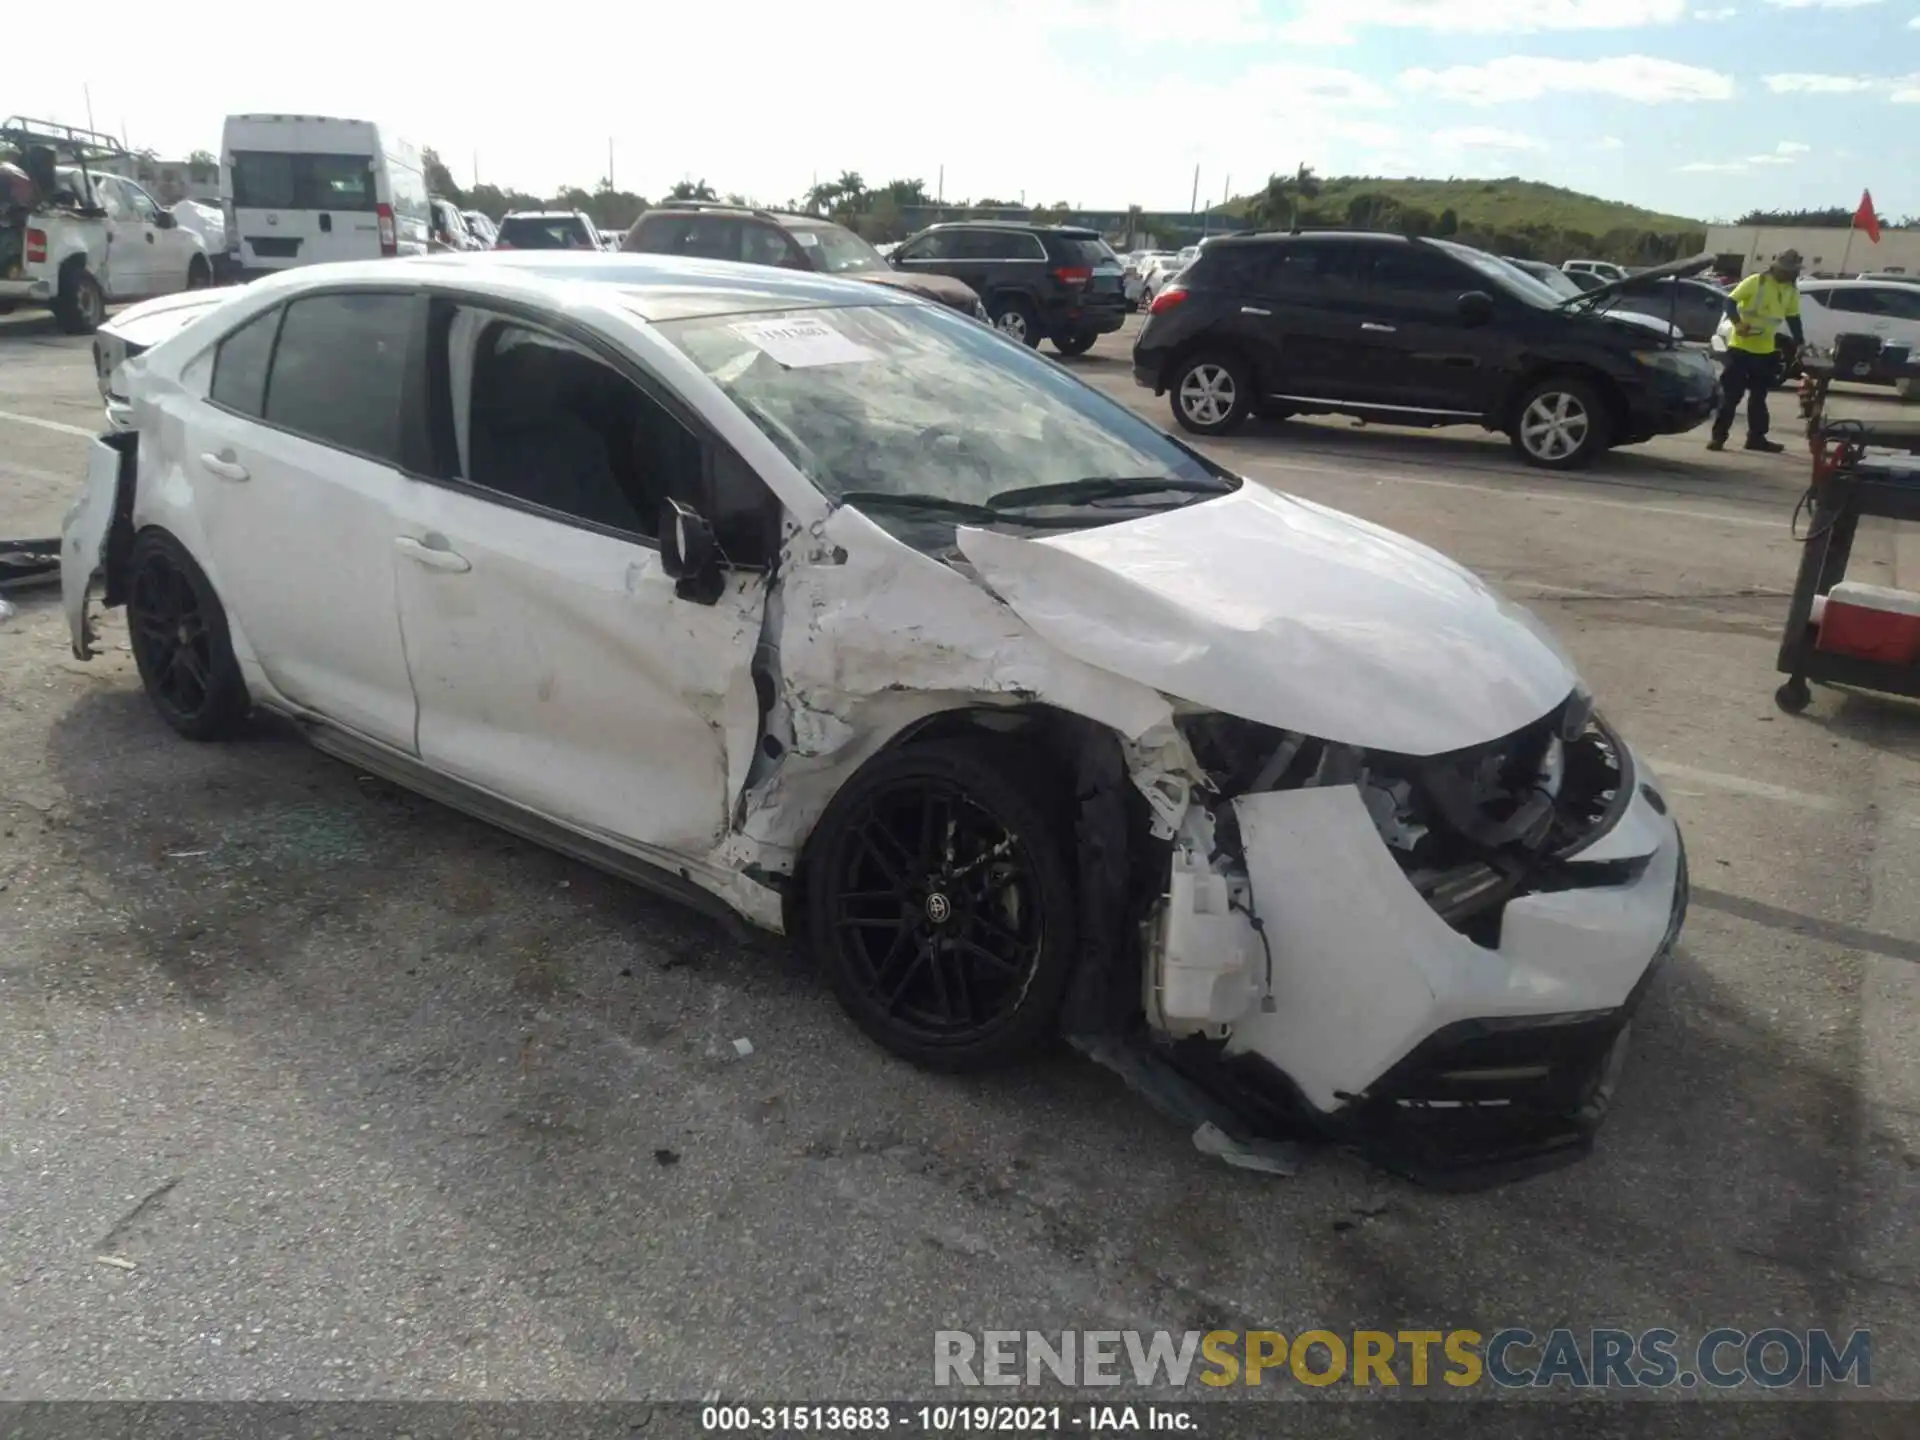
(1254, 310)
(1378, 329)
(225, 466)
(150, 237)
(435, 556)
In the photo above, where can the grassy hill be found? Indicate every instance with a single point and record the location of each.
(1508, 204)
(1509, 217)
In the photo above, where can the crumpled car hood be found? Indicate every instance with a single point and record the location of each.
(1288, 613)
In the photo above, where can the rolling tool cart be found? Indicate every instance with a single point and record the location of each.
(1838, 632)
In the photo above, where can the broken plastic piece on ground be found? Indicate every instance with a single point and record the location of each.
(743, 1048)
(6, 611)
(1271, 1157)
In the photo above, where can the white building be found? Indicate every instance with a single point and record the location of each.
(1828, 251)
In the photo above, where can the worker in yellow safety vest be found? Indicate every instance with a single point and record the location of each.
(1758, 306)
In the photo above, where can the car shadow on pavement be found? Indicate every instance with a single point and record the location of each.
(534, 1039)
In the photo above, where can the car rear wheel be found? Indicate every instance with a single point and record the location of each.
(1015, 319)
(940, 901)
(179, 638)
(199, 273)
(1212, 394)
(1560, 424)
(81, 306)
(1077, 344)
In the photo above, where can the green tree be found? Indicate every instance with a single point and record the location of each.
(439, 177)
(692, 190)
(1281, 200)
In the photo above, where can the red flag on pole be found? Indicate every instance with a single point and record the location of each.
(1865, 219)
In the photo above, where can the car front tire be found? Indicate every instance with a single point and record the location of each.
(1211, 393)
(1076, 344)
(940, 901)
(1561, 423)
(178, 632)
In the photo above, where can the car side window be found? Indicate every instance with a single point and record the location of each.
(107, 192)
(1413, 276)
(240, 365)
(768, 245)
(541, 419)
(1851, 302)
(1901, 302)
(938, 246)
(340, 369)
(975, 245)
(1316, 269)
(709, 238)
(139, 203)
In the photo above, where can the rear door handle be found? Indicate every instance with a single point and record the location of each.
(225, 466)
(1254, 310)
(1379, 329)
(432, 552)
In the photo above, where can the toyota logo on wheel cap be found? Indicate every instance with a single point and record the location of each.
(939, 908)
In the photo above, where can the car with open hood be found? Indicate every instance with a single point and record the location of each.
(820, 606)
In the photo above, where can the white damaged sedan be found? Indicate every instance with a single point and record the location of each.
(818, 605)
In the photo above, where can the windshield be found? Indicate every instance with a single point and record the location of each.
(916, 401)
(1504, 274)
(1558, 281)
(839, 252)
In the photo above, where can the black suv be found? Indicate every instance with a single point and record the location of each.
(1050, 282)
(793, 242)
(1415, 332)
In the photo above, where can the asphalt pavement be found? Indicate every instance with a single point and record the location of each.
(309, 1088)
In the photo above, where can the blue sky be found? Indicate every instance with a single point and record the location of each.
(1688, 106)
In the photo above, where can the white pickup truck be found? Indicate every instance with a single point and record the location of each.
(98, 239)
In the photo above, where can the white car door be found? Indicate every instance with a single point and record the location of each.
(127, 260)
(294, 458)
(1890, 311)
(169, 249)
(555, 663)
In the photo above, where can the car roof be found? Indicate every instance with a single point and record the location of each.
(748, 212)
(652, 287)
(544, 215)
(1031, 226)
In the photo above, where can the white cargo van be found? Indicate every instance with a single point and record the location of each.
(306, 189)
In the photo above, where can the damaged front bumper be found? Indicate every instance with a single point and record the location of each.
(1296, 975)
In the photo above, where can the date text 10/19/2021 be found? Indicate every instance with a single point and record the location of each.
(915, 1419)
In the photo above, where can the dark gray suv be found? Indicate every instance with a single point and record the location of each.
(1039, 282)
(793, 242)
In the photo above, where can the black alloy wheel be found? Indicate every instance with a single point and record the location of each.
(179, 639)
(942, 905)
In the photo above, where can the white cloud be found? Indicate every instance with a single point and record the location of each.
(1785, 153)
(1820, 4)
(1522, 77)
(1609, 142)
(1486, 137)
(1901, 90)
(1335, 22)
(1725, 12)
(1819, 84)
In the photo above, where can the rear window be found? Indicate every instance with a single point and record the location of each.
(278, 180)
(527, 232)
(1090, 250)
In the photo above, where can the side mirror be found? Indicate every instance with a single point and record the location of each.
(1476, 307)
(691, 556)
(166, 220)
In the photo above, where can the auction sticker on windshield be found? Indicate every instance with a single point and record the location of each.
(801, 344)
